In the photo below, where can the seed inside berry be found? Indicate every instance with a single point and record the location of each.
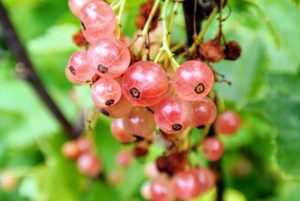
(110, 102)
(83, 26)
(135, 93)
(104, 112)
(200, 88)
(176, 127)
(72, 69)
(103, 69)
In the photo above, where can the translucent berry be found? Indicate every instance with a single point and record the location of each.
(115, 178)
(8, 180)
(205, 112)
(98, 20)
(146, 191)
(89, 165)
(228, 123)
(173, 115)
(78, 70)
(212, 148)
(109, 57)
(71, 150)
(84, 145)
(106, 92)
(150, 170)
(144, 83)
(124, 158)
(139, 122)
(186, 185)
(161, 189)
(205, 178)
(119, 132)
(76, 5)
(120, 109)
(193, 80)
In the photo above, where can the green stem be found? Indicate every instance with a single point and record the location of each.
(203, 31)
(150, 18)
(165, 46)
(172, 20)
(119, 18)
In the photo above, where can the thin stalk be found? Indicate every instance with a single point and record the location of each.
(119, 18)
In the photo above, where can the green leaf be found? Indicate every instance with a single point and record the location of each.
(283, 110)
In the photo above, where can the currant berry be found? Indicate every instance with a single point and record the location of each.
(124, 158)
(119, 132)
(150, 170)
(120, 109)
(144, 83)
(186, 185)
(89, 165)
(109, 57)
(76, 5)
(71, 150)
(193, 80)
(115, 178)
(205, 112)
(98, 20)
(8, 180)
(228, 123)
(106, 92)
(78, 70)
(212, 148)
(173, 115)
(139, 122)
(146, 191)
(161, 189)
(205, 178)
(84, 145)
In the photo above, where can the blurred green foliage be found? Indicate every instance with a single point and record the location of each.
(261, 162)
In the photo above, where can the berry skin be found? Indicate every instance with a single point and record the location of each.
(89, 165)
(173, 115)
(109, 57)
(8, 181)
(186, 185)
(118, 110)
(76, 5)
(119, 132)
(228, 123)
(146, 191)
(150, 170)
(71, 150)
(193, 80)
(139, 122)
(212, 148)
(212, 50)
(98, 20)
(205, 178)
(78, 70)
(161, 189)
(205, 112)
(124, 158)
(106, 92)
(145, 83)
(84, 145)
(232, 50)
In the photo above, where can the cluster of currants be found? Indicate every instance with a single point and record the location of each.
(81, 150)
(184, 185)
(141, 96)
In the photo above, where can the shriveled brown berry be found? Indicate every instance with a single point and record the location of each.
(172, 163)
(145, 11)
(139, 152)
(80, 40)
(232, 50)
(212, 50)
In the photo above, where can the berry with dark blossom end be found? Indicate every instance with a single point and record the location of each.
(232, 50)
(212, 50)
